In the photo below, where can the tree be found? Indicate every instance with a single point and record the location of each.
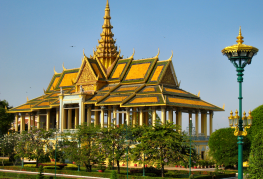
(224, 149)
(161, 145)
(257, 124)
(5, 118)
(33, 143)
(82, 147)
(8, 144)
(115, 138)
(256, 157)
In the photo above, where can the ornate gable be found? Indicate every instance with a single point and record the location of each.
(169, 77)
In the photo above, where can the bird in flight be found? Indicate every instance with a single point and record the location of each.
(72, 46)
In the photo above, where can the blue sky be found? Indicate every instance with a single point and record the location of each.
(35, 36)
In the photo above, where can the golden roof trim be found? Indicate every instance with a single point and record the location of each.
(157, 54)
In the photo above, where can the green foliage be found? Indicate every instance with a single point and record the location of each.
(159, 144)
(82, 147)
(5, 118)
(224, 149)
(113, 174)
(8, 144)
(257, 123)
(256, 157)
(32, 144)
(40, 175)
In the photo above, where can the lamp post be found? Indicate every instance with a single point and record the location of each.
(190, 131)
(240, 55)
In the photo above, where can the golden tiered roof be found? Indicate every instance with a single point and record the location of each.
(106, 51)
(126, 82)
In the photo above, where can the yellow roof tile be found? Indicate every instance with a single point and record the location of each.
(67, 79)
(149, 89)
(24, 107)
(145, 100)
(55, 83)
(115, 99)
(137, 71)
(128, 88)
(187, 101)
(175, 90)
(118, 70)
(157, 73)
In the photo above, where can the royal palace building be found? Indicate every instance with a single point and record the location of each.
(107, 86)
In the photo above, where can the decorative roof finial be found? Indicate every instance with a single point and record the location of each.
(157, 54)
(55, 71)
(132, 54)
(63, 67)
(240, 37)
(107, 4)
(171, 56)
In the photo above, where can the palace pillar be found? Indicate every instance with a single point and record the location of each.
(114, 115)
(76, 119)
(153, 116)
(57, 118)
(170, 116)
(16, 120)
(204, 123)
(141, 117)
(38, 119)
(22, 123)
(163, 115)
(48, 120)
(211, 122)
(197, 122)
(82, 111)
(102, 117)
(29, 122)
(109, 116)
(69, 118)
(128, 122)
(96, 116)
(179, 119)
(89, 116)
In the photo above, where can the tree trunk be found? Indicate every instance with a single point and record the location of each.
(118, 165)
(37, 163)
(162, 170)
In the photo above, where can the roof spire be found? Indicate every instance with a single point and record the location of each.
(240, 37)
(106, 52)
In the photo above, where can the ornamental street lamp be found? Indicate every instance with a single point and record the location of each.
(240, 55)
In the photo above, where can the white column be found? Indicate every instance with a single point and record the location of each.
(197, 122)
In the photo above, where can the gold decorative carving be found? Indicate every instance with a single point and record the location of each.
(168, 77)
(86, 75)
